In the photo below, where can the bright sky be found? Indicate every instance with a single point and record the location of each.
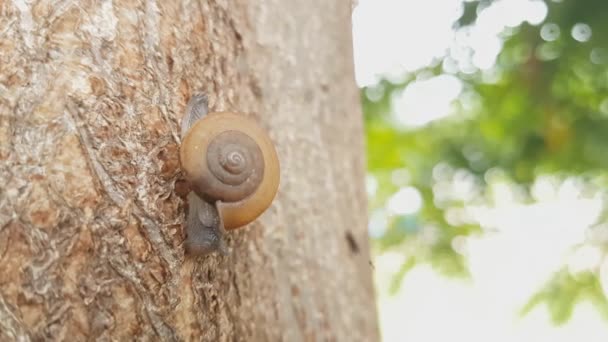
(527, 243)
(394, 37)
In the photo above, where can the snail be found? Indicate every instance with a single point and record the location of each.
(232, 168)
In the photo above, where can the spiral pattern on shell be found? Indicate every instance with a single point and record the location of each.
(237, 164)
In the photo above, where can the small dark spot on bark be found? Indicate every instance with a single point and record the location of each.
(255, 88)
(182, 188)
(352, 243)
(295, 291)
(324, 86)
(170, 63)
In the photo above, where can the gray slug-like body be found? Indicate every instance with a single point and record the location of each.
(204, 226)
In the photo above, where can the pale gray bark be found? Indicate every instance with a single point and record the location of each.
(91, 224)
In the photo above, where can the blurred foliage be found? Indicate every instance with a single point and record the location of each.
(569, 289)
(543, 111)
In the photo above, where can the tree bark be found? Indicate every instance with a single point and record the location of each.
(91, 222)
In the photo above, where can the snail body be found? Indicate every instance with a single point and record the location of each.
(232, 168)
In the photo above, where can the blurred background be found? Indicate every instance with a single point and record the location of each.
(487, 151)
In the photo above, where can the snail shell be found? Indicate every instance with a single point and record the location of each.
(229, 160)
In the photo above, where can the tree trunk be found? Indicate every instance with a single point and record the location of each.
(91, 224)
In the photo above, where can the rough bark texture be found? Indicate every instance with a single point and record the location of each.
(91, 94)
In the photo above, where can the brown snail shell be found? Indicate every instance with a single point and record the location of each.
(229, 160)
